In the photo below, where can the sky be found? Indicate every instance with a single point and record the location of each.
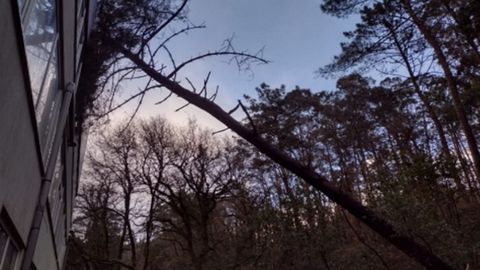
(296, 37)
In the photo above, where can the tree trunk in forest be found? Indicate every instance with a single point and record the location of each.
(452, 86)
(469, 37)
(424, 100)
(464, 162)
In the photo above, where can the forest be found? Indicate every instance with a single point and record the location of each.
(374, 174)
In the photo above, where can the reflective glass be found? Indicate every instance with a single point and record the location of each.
(56, 178)
(54, 196)
(58, 205)
(21, 3)
(61, 251)
(48, 92)
(60, 232)
(39, 33)
(48, 127)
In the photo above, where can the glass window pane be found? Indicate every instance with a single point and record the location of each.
(49, 126)
(56, 178)
(48, 92)
(60, 231)
(55, 189)
(39, 32)
(58, 207)
(10, 257)
(21, 3)
(80, 7)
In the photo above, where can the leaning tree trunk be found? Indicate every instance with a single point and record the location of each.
(361, 212)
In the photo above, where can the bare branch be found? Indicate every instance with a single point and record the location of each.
(214, 96)
(174, 65)
(164, 99)
(205, 83)
(137, 108)
(234, 109)
(248, 116)
(184, 30)
(217, 53)
(182, 107)
(142, 92)
(162, 26)
(191, 84)
(220, 131)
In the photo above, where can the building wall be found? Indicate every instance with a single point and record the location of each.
(20, 170)
(45, 257)
(39, 149)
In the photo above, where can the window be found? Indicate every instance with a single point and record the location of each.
(41, 37)
(40, 32)
(48, 91)
(57, 200)
(80, 32)
(8, 251)
(21, 5)
(56, 196)
(60, 236)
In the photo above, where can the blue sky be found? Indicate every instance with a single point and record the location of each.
(296, 36)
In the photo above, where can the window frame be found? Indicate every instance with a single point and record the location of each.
(80, 29)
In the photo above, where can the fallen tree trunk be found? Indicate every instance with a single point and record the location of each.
(404, 243)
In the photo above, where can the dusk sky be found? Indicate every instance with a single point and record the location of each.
(296, 36)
